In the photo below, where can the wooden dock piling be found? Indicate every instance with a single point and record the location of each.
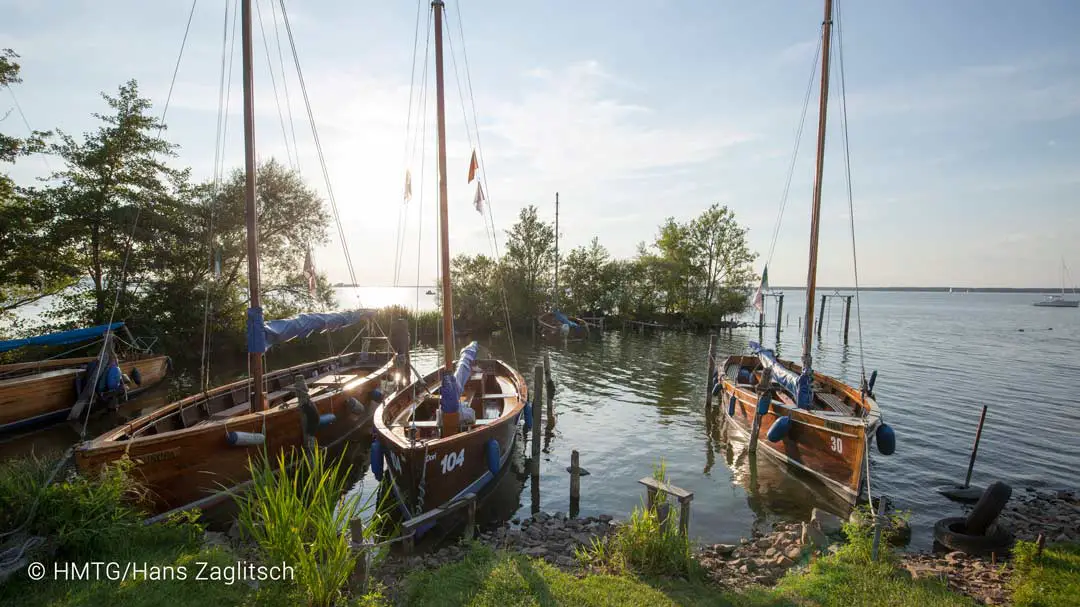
(779, 314)
(847, 317)
(654, 487)
(821, 315)
(575, 484)
(537, 411)
(710, 370)
(879, 522)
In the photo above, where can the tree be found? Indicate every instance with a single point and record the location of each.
(530, 254)
(474, 280)
(588, 273)
(30, 268)
(113, 177)
(720, 252)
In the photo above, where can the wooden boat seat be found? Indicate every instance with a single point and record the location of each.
(230, 412)
(190, 415)
(334, 380)
(503, 395)
(835, 403)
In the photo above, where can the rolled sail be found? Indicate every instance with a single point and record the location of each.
(465, 363)
(559, 316)
(280, 331)
(798, 385)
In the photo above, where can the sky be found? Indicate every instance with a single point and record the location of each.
(963, 116)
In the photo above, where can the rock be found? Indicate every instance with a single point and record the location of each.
(749, 565)
(815, 537)
(783, 561)
(536, 551)
(604, 518)
(829, 524)
(954, 558)
(723, 549)
(793, 553)
(745, 570)
(540, 517)
(763, 543)
(215, 538)
(234, 531)
(516, 521)
(560, 516)
(565, 561)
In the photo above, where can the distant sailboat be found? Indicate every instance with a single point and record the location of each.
(1059, 301)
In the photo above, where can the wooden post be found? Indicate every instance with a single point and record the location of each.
(754, 429)
(821, 316)
(847, 317)
(1040, 543)
(975, 448)
(761, 320)
(359, 576)
(684, 517)
(547, 375)
(575, 484)
(779, 314)
(650, 498)
(711, 368)
(538, 408)
(549, 401)
(470, 521)
(878, 523)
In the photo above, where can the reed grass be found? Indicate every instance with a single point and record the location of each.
(297, 515)
(1051, 579)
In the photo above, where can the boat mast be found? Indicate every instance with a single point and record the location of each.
(444, 213)
(256, 342)
(815, 214)
(555, 295)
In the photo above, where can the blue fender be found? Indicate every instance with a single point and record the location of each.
(377, 459)
(376, 395)
(886, 439)
(778, 431)
(113, 378)
(491, 450)
(136, 376)
(716, 389)
(731, 406)
(763, 403)
(528, 415)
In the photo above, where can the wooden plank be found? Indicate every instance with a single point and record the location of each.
(231, 412)
(46, 364)
(655, 485)
(334, 380)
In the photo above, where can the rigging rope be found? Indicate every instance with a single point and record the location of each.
(422, 137)
(403, 209)
(850, 196)
(319, 150)
(483, 176)
(219, 152)
(285, 83)
(794, 152)
(135, 221)
(273, 84)
(18, 108)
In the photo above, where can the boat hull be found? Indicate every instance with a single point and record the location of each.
(550, 327)
(49, 393)
(428, 474)
(830, 448)
(196, 465)
(1066, 303)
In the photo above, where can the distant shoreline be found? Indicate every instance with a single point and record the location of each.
(824, 289)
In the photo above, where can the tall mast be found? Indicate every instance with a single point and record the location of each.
(815, 214)
(444, 213)
(555, 295)
(256, 340)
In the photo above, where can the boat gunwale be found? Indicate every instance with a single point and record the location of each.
(111, 440)
(407, 446)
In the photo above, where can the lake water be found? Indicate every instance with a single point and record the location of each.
(626, 400)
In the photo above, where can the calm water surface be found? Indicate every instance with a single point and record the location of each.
(626, 400)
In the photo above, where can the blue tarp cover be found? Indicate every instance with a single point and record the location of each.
(797, 384)
(280, 331)
(559, 316)
(464, 367)
(63, 337)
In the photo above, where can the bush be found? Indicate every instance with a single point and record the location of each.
(1048, 580)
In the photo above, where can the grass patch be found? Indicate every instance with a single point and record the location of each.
(645, 544)
(497, 579)
(1050, 580)
(298, 516)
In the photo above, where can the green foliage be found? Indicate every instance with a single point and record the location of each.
(85, 515)
(1049, 580)
(859, 530)
(297, 516)
(645, 544)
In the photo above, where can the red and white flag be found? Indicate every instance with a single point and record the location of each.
(473, 167)
(478, 200)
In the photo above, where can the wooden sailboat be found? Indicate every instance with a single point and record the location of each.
(554, 323)
(805, 418)
(450, 432)
(33, 393)
(1059, 301)
(194, 451)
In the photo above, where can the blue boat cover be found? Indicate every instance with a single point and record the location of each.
(464, 368)
(797, 385)
(63, 337)
(559, 316)
(280, 331)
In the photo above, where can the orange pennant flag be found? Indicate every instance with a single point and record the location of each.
(473, 166)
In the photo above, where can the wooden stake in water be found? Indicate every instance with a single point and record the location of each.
(711, 369)
(975, 448)
(847, 317)
(575, 484)
(538, 409)
(779, 314)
